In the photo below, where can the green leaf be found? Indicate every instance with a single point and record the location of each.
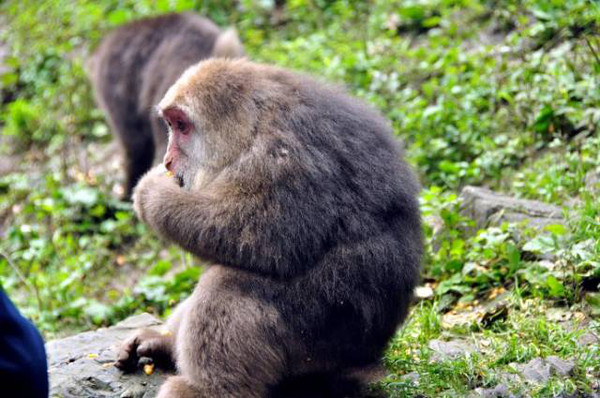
(556, 288)
(556, 229)
(539, 245)
(98, 312)
(118, 17)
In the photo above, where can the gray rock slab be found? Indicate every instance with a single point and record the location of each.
(487, 208)
(83, 365)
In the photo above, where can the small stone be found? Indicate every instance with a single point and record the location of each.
(560, 366)
(423, 292)
(412, 377)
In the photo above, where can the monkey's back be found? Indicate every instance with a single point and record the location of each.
(350, 190)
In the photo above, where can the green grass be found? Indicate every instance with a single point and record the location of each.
(481, 92)
(526, 333)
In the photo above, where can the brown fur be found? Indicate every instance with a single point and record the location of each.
(135, 65)
(299, 196)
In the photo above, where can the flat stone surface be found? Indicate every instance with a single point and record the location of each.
(83, 365)
(491, 208)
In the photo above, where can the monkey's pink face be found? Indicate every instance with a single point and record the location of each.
(180, 137)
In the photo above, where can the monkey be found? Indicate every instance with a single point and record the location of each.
(134, 66)
(297, 196)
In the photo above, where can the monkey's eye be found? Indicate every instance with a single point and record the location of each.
(177, 120)
(182, 126)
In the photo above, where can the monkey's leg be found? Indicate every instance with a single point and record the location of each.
(229, 345)
(178, 387)
(154, 344)
(161, 138)
(139, 155)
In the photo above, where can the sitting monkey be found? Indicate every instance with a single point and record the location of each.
(298, 196)
(135, 65)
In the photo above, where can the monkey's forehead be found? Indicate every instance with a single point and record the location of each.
(203, 74)
(173, 96)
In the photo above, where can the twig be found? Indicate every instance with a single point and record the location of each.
(20, 275)
(592, 49)
(17, 271)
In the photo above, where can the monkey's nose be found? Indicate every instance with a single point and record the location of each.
(168, 162)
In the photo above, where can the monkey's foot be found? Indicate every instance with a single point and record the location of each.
(145, 349)
(178, 387)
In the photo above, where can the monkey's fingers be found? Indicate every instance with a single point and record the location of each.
(159, 349)
(127, 358)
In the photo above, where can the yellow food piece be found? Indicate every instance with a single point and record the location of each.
(169, 174)
(166, 332)
(149, 369)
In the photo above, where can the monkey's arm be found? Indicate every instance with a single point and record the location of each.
(262, 236)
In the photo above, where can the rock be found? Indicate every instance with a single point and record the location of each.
(485, 314)
(509, 378)
(490, 208)
(445, 350)
(588, 338)
(560, 366)
(500, 391)
(412, 377)
(423, 293)
(536, 371)
(83, 365)
(540, 370)
(591, 180)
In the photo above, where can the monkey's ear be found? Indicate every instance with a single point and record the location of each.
(228, 45)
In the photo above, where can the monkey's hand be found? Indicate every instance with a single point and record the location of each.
(149, 193)
(145, 348)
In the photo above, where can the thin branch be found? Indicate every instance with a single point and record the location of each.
(592, 49)
(20, 275)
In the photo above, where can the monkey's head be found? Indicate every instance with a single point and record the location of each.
(211, 116)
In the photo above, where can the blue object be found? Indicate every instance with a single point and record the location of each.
(23, 368)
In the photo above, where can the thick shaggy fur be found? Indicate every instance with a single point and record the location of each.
(135, 65)
(301, 200)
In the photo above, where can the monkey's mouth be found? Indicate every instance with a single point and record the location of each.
(179, 180)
